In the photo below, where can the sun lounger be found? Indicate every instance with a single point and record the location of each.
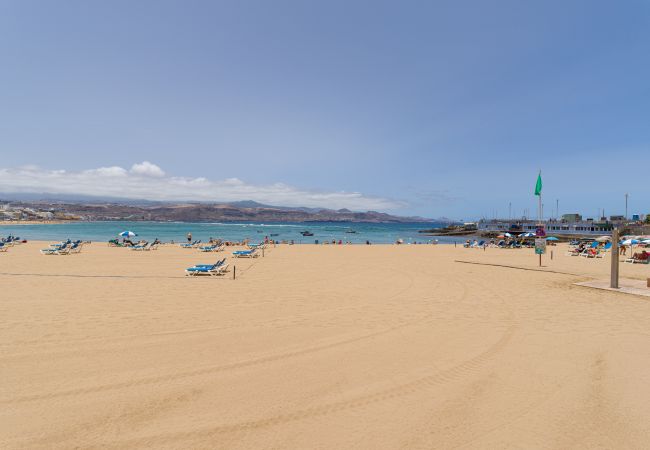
(191, 245)
(639, 258)
(245, 254)
(589, 253)
(198, 271)
(218, 268)
(141, 247)
(56, 250)
(10, 241)
(218, 263)
(574, 252)
(212, 248)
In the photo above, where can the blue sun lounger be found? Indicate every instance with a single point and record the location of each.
(192, 245)
(218, 268)
(245, 253)
(61, 250)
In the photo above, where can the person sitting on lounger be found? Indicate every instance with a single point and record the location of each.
(643, 256)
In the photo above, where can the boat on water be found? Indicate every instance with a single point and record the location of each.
(275, 234)
(306, 233)
(351, 232)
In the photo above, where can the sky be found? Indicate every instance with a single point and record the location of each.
(429, 108)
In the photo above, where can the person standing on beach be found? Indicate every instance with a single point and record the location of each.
(189, 238)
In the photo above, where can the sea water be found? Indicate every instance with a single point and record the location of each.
(357, 233)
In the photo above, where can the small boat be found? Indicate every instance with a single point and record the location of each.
(275, 234)
(351, 231)
(306, 233)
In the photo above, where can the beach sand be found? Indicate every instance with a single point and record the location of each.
(320, 347)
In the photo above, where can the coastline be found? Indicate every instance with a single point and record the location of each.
(35, 222)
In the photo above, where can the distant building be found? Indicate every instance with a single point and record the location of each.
(571, 217)
(553, 227)
(616, 218)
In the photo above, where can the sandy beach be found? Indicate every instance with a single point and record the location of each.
(320, 347)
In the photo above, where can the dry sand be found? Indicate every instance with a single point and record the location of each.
(326, 347)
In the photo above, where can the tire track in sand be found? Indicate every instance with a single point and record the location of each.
(227, 367)
(445, 376)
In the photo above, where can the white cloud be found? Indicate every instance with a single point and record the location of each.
(148, 181)
(113, 171)
(147, 169)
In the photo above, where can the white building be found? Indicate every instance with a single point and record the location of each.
(588, 227)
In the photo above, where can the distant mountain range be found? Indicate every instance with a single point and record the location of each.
(102, 209)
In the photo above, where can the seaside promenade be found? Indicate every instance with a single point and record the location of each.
(381, 346)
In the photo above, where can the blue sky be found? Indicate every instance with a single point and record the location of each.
(431, 108)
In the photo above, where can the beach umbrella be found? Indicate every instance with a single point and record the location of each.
(527, 234)
(552, 238)
(604, 239)
(127, 234)
(630, 242)
(507, 234)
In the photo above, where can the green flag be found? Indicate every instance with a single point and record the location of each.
(538, 186)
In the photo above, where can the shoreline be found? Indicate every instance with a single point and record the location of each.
(36, 222)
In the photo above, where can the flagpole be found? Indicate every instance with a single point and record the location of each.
(539, 210)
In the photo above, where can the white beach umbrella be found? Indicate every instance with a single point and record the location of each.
(127, 234)
(604, 239)
(630, 242)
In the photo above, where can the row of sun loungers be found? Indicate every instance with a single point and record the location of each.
(63, 248)
(221, 266)
(139, 246)
(194, 244)
(212, 248)
(145, 247)
(9, 241)
(593, 251)
(218, 246)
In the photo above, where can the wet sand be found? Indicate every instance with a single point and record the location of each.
(320, 347)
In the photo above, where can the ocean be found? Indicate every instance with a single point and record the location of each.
(376, 233)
